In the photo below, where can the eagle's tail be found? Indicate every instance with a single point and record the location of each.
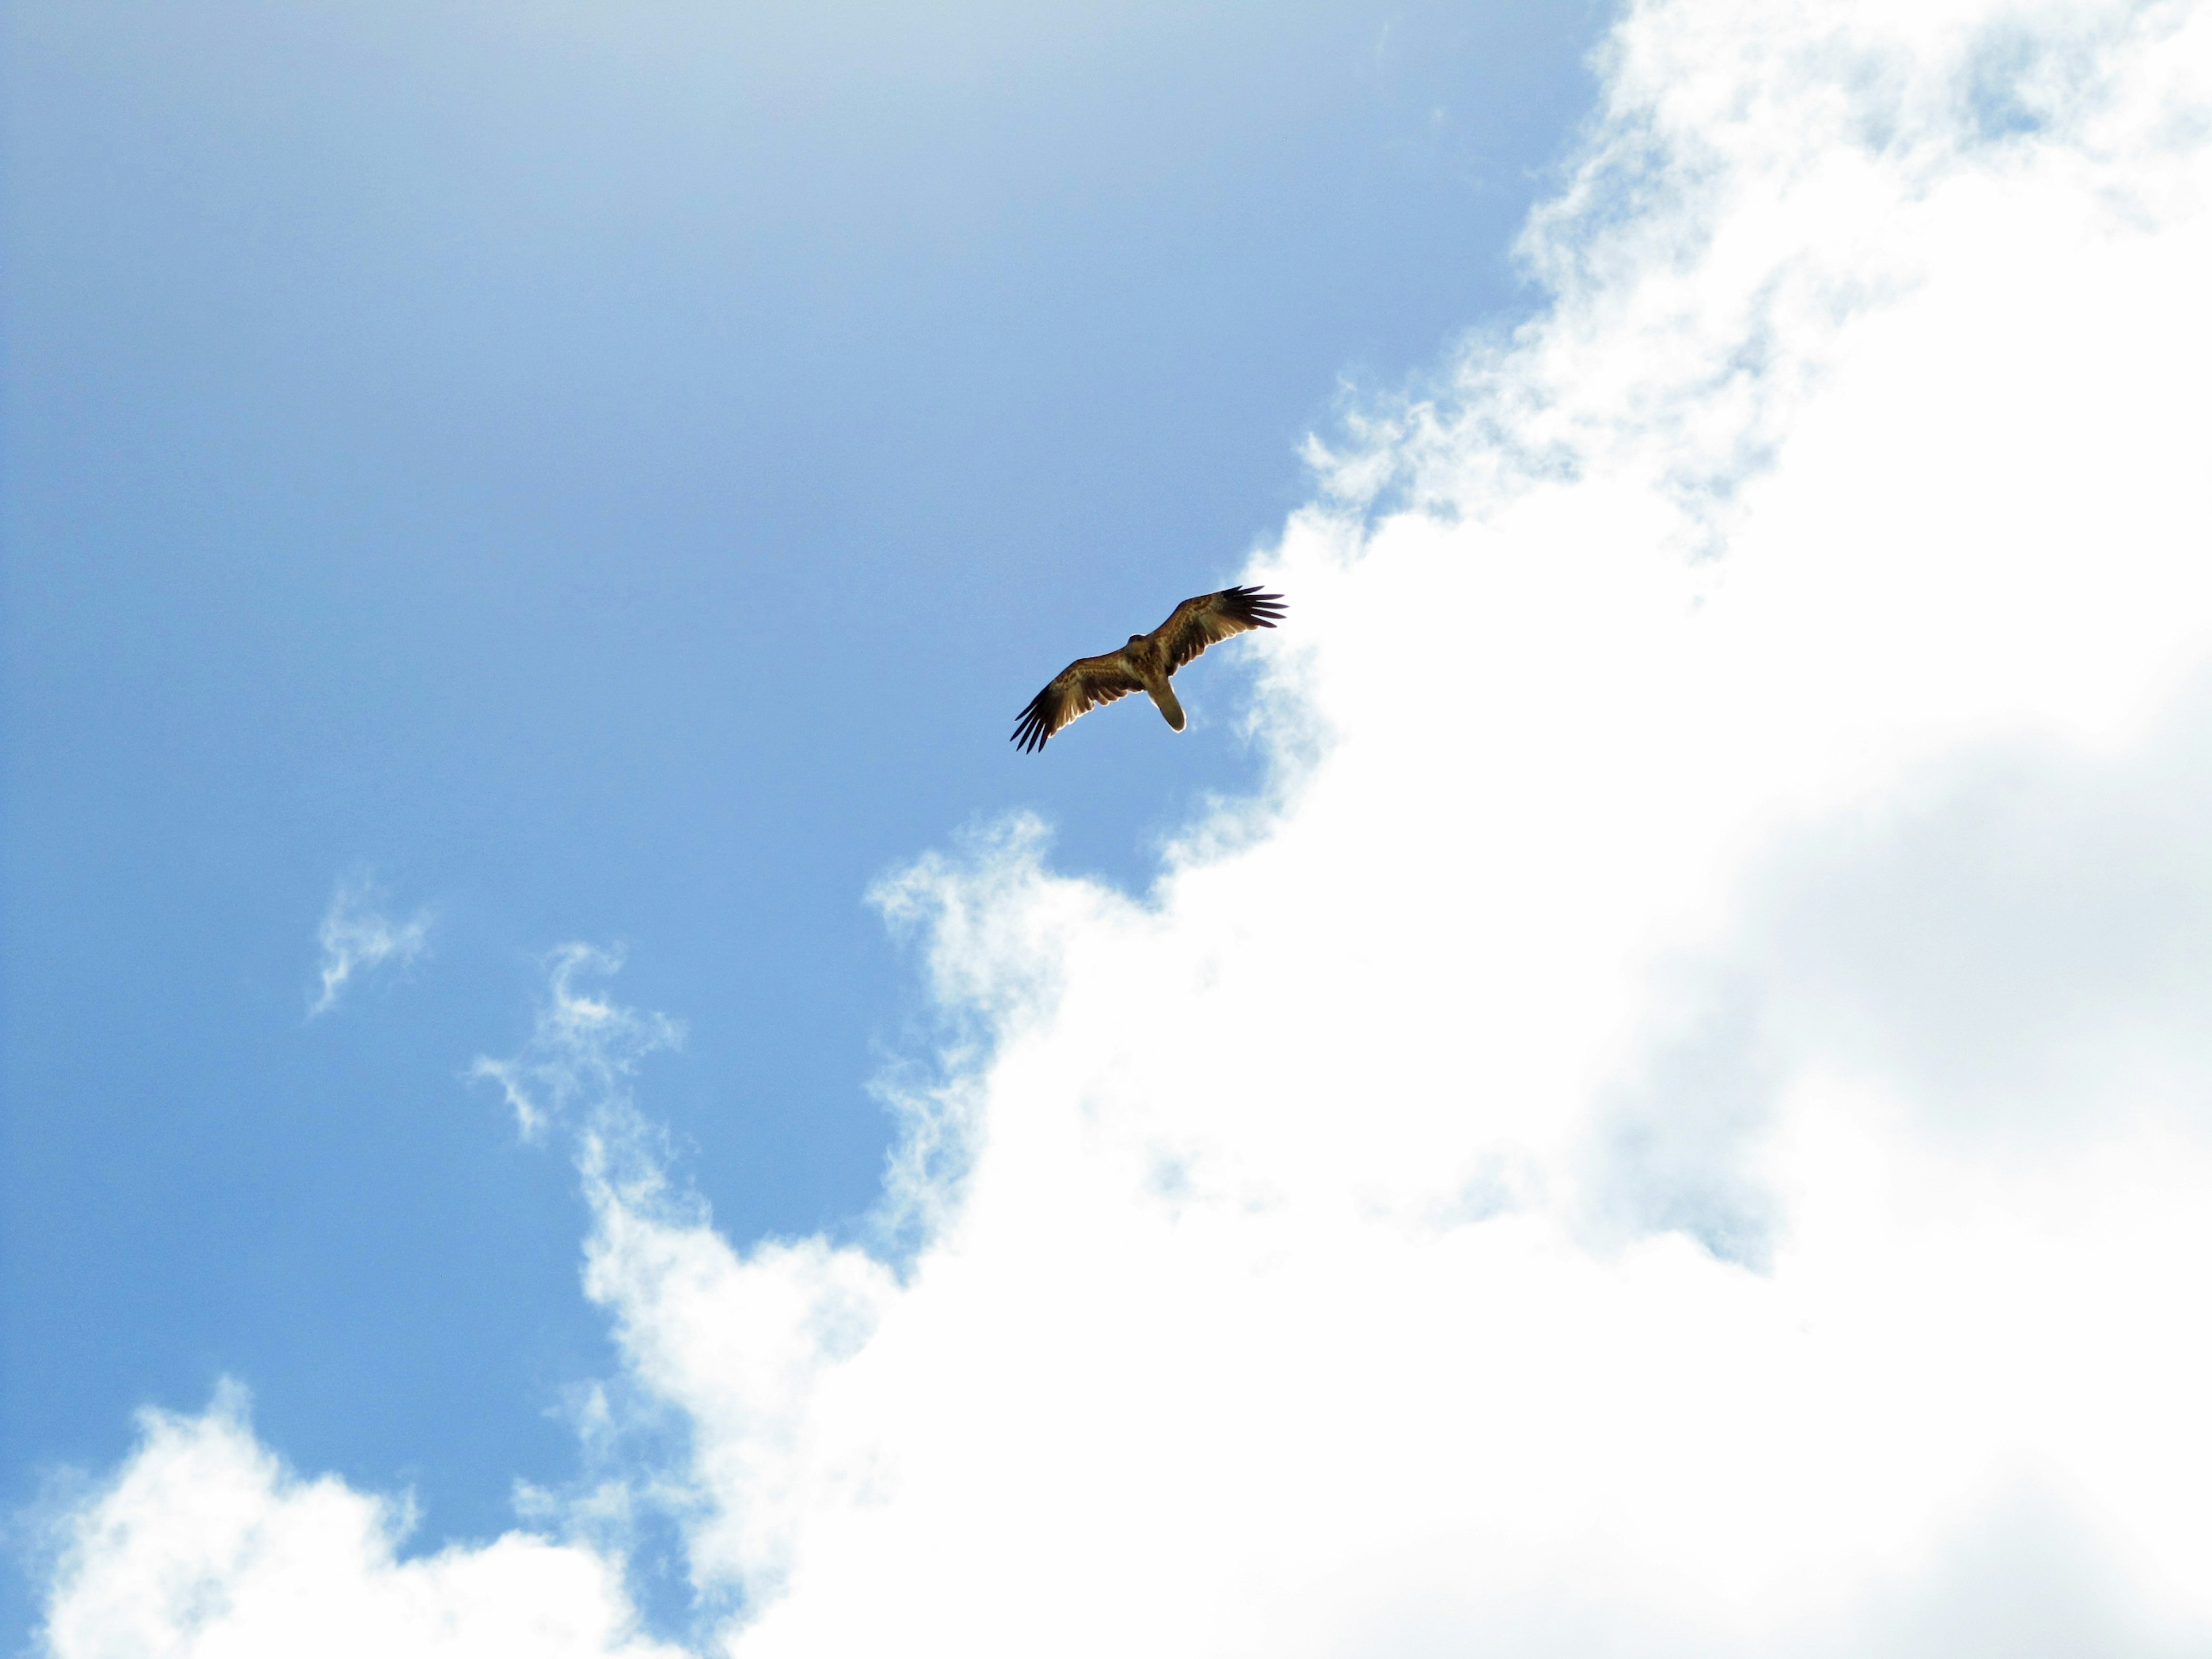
(1165, 697)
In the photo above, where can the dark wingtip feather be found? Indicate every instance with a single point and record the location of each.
(1253, 606)
(1029, 731)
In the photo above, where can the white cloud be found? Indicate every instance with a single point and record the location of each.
(205, 1544)
(357, 936)
(583, 1051)
(1681, 1131)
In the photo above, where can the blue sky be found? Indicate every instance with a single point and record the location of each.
(611, 476)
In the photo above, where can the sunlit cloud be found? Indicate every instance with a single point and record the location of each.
(357, 936)
(1674, 1125)
(207, 1543)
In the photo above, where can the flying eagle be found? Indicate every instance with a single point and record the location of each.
(1146, 663)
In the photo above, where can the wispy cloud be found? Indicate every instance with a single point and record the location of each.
(582, 1052)
(357, 936)
(1552, 1182)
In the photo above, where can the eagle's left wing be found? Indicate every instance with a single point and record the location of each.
(1211, 617)
(1076, 689)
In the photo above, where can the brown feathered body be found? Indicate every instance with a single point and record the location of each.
(1146, 663)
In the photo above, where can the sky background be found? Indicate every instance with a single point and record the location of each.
(1636, 1085)
(612, 475)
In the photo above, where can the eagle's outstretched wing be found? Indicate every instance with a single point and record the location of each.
(1076, 689)
(1211, 617)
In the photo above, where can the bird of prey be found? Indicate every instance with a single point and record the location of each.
(1146, 663)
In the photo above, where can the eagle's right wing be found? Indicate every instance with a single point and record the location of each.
(1212, 617)
(1076, 689)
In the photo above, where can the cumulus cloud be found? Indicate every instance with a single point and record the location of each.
(357, 936)
(1675, 1124)
(206, 1543)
